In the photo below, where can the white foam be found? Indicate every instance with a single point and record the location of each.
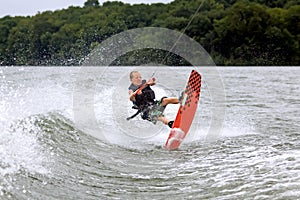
(21, 151)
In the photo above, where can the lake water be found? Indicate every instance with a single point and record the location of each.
(64, 135)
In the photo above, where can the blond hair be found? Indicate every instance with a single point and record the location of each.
(133, 72)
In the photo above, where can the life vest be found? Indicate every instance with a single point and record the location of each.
(144, 101)
(146, 98)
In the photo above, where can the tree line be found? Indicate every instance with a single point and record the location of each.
(233, 32)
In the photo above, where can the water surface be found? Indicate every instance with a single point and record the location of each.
(46, 154)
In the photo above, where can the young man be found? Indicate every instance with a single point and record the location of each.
(144, 99)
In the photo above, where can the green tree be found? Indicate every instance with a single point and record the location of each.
(42, 30)
(19, 46)
(241, 36)
(91, 3)
(234, 32)
(6, 25)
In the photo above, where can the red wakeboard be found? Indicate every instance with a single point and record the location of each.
(186, 111)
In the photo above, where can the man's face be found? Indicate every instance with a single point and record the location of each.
(136, 79)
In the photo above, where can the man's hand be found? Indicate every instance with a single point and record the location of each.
(151, 81)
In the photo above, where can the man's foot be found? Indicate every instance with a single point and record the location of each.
(170, 124)
(181, 96)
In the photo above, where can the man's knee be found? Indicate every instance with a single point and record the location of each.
(164, 101)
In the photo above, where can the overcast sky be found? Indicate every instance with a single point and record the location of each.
(31, 7)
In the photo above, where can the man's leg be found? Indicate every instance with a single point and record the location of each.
(169, 100)
(166, 121)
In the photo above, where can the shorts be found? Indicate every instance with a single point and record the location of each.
(156, 110)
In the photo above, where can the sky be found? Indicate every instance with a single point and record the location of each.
(32, 7)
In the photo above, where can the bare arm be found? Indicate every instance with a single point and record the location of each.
(132, 94)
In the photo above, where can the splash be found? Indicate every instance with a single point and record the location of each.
(177, 137)
(20, 149)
